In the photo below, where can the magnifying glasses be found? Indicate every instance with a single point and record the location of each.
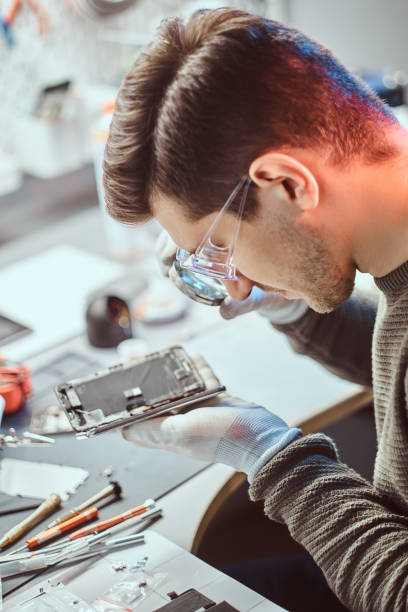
(198, 287)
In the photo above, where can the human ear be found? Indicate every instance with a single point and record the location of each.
(299, 183)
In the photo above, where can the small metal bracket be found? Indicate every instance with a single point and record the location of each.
(134, 398)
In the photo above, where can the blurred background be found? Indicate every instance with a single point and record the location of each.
(62, 62)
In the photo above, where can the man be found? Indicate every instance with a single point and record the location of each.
(231, 103)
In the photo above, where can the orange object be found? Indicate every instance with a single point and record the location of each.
(54, 532)
(12, 12)
(108, 107)
(114, 520)
(15, 384)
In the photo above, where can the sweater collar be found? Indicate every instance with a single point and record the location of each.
(394, 282)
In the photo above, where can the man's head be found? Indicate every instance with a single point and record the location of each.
(230, 94)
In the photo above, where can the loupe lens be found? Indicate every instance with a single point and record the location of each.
(198, 287)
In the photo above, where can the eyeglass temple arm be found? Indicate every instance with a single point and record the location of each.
(246, 183)
(244, 180)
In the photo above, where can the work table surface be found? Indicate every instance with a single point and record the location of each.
(251, 359)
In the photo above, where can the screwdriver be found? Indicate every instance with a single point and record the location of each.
(47, 506)
(114, 520)
(54, 532)
(30, 564)
(113, 488)
(65, 522)
(65, 544)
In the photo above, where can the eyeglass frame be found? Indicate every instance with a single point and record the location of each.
(196, 261)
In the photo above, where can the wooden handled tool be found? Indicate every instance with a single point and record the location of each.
(47, 506)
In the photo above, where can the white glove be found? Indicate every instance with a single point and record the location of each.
(274, 307)
(241, 435)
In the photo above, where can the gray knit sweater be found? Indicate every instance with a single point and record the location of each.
(356, 532)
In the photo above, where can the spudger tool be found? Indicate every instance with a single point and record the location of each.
(41, 561)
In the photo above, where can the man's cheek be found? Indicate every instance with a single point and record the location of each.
(259, 271)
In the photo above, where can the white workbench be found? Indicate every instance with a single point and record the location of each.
(179, 572)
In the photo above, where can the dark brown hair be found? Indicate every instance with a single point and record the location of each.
(207, 97)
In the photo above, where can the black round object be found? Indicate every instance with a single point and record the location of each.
(108, 321)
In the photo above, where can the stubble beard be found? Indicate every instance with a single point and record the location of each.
(332, 296)
(320, 279)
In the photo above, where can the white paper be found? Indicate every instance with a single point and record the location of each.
(31, 479)
(47, 292)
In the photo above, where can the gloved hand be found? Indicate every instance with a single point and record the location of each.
(242, 435)
(274, 307)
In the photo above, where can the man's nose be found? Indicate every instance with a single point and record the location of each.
(239, 289)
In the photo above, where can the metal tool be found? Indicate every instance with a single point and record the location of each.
(89, 540)
(113, 488)
(146, 512)
(57, 530)
(34, 563)
(29, 439)
(47, 506)
(114, 520)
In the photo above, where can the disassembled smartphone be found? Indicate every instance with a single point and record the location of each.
(162, 382)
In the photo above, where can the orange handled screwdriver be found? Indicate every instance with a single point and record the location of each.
(114, 520)
(54, 532)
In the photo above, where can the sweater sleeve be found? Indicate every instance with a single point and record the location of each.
(340, 341)
(353, 533)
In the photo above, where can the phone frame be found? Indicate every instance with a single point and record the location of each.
(88, 431)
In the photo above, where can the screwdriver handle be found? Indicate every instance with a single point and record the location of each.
(63, 517)
(113, 488)
(114, 520)
(47, 506)
(54, 532)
